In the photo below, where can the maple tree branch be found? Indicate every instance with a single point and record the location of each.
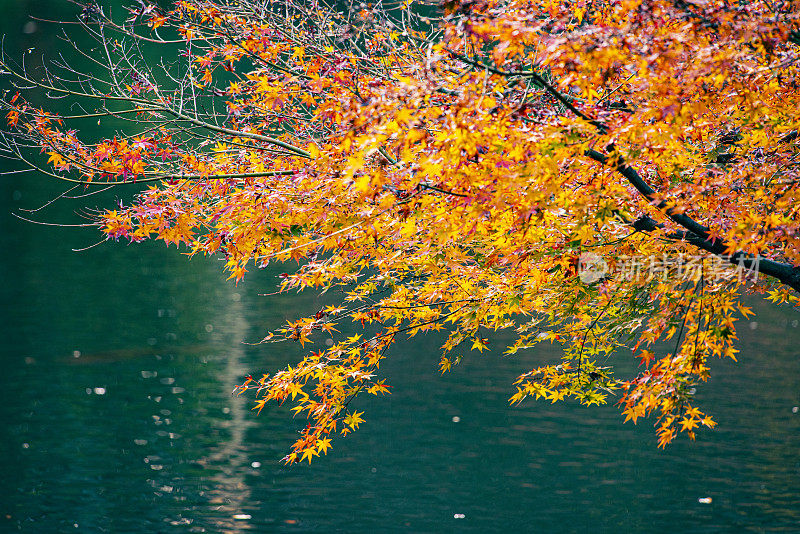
(698, 235)
(236, 133)
(586, 334)
(648, 192)
(152, 107)
(157, 178)
(566, 101)
(49, 87)
(377, 72)
(440, 190)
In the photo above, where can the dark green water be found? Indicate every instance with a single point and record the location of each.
(116, 413)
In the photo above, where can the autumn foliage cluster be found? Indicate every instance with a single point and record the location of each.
(449, 167)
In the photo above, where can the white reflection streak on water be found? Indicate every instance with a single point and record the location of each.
(230, 492)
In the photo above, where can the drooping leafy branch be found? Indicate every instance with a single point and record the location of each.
(607, 176)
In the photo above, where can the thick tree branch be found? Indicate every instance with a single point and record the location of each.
(697, 234)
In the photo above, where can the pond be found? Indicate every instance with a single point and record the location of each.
(118, 364)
